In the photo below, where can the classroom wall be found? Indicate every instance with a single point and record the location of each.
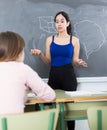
(93, 84)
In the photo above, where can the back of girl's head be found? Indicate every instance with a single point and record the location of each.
(11, 45)
(65, 15)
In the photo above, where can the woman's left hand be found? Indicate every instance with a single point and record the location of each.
(81, 62)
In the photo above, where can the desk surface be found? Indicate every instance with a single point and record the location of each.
(61, 96)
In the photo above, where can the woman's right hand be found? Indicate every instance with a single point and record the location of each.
(39, 53)
(35, 52)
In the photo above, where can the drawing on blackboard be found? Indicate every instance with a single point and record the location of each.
(90, 35)
(47, 24)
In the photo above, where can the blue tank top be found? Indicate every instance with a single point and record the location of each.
(61, 54)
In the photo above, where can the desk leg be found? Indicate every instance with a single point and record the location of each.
(42, 107)
(53, 105)
(62, 122)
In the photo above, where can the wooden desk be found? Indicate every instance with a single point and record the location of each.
(72, 108)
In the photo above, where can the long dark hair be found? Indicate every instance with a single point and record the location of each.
(65, 15)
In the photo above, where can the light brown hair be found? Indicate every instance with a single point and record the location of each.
(11, 45)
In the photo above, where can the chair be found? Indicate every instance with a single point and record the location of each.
(97, 117)
(40, 120)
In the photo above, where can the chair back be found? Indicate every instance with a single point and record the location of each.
(40, 120)
(97, 117)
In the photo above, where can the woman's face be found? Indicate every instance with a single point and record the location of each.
(61, 23)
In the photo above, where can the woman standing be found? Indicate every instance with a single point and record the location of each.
(62, 52)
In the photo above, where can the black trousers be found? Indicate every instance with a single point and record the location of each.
(63, 78)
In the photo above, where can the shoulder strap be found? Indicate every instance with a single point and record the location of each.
(52, 38)
(71, 39)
